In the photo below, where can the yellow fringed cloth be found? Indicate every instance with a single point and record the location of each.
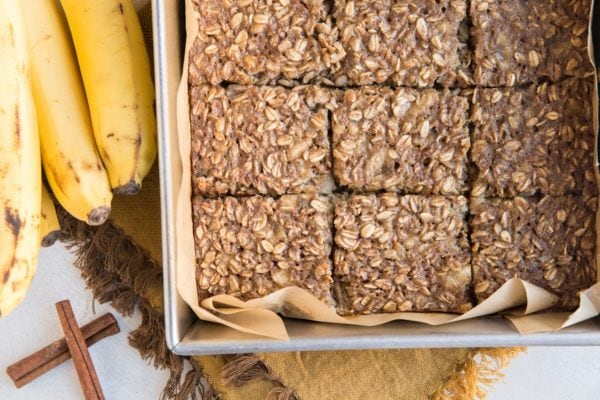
(438, 374)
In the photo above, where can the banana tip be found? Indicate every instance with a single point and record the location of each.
(50, 238)
(98, 215)
(130, 188)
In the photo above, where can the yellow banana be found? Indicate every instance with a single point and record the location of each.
(20, 169)
(71, 162)
(49, 225)
(116, 74)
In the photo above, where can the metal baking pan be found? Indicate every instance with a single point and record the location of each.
(186, 335)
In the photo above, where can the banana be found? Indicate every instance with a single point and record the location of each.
(116, 74)
(71, 161)
(20, 166)
(49, 225)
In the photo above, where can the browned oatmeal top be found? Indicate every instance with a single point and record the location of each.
(260, 140)
(402, 42)
(529, 134)
(519, 42)
(414, 141)
(250, 247)
(549, 242)
(535, 139)
(261, 41)
(401, 253)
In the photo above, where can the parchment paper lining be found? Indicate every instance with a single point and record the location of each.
(260, 316)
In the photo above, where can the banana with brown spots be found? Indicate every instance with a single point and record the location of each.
(116, 74)
(20, 165)
(71, 161)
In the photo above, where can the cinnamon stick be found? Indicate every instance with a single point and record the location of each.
(42, 361)
(79, 352)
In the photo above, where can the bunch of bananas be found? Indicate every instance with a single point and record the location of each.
(77, 100)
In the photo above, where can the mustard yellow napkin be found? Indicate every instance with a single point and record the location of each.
(439, 374)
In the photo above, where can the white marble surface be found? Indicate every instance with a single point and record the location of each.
(543, 373)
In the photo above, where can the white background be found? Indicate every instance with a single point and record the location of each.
(543, 373)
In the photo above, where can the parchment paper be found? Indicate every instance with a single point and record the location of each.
(260, 316)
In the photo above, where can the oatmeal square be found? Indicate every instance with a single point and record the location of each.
(260, 140)
(519, 42)
(549, 242)
(401, 253)
(538, 139)
(408, 140)
(260, 41)
(250, 247)
(402, 42)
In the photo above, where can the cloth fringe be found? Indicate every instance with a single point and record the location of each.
(119, 271)
(478, 373)
(193, 388)
(243, 368)
(200, 386)
(282, 393)
(471, 379)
